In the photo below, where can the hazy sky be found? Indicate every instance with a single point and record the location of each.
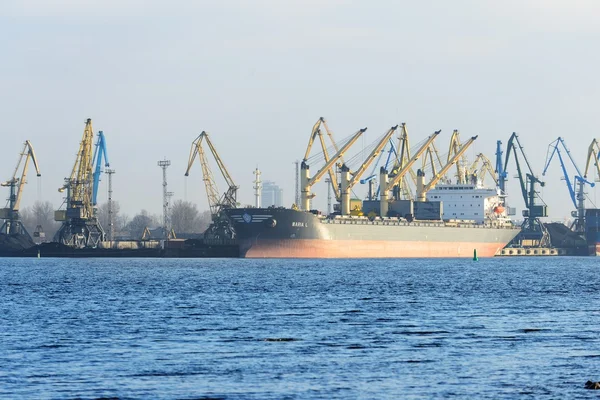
(257, 75)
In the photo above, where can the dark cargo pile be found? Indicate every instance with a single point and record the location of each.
(14, 243)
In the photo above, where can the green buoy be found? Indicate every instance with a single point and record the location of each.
(475, 255)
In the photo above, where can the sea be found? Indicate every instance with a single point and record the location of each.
(497, 328)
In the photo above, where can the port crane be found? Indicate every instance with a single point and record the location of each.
(500, 172)
(486, 167)
(593, 154)
(423, 188)
(386, 184)
(316, 132)
(533, 232)
(306, 182)
(100, 154)
(80, 226)
(575, 187)
(348, 182)
(216, 202)
(12, 223)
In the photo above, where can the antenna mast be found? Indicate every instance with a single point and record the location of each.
(257, 188)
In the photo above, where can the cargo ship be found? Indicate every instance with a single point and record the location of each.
(455, 220)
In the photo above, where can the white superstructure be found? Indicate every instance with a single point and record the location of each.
(468, 202)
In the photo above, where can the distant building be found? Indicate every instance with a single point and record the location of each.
(271, 194)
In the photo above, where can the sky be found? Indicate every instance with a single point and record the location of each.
(258, 74)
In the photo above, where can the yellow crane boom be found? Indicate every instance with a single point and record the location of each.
(306, 181)
(80, 182)
(316, 131)
(404, 170)
(17, 183)
(454, 148)
(12, 223)
(593, 153)
(422, 189)
(486, 167)
(348, 183)
(229, 197)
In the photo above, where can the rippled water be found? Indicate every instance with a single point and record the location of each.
(277, 329)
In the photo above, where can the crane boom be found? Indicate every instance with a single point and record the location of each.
(454, 148)
(348, 183)
(400, 174)
(80, 183)
(422, 191)
(12, 223)
(17, 182)
(499, 170)
(316, 131)
(358, 173)
(229, 197)
(577, 194)
(100, 154)
(306, 182)
(486, 166)
(336, 157)
(593, 151)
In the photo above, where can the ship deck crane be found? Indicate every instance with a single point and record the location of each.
(216, 201)
(455, 147)
(12, 223)
(386, 185)
(533, 232)
(576, 193)
(316, 131)
(423, 188)
(401, 189)
(306, 182)
(80, 226)
(347, 182)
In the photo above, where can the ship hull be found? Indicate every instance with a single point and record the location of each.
(284, 233)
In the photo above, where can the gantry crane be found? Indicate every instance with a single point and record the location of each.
(386, 184)
(533, 232)
(347, 182)
(316, 131)
(576, 193)
(12, 223)
(423, 188)
(80, 226)
(306, 182)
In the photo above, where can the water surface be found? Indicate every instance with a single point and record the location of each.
(277, 329)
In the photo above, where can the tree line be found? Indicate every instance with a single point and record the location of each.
(184, 216)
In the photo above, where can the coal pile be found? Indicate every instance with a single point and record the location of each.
(14, 243)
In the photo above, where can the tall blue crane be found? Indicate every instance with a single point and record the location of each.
(576, 193)
(500, 172)
(100, 154)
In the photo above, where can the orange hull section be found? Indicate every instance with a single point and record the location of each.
(316, 248)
